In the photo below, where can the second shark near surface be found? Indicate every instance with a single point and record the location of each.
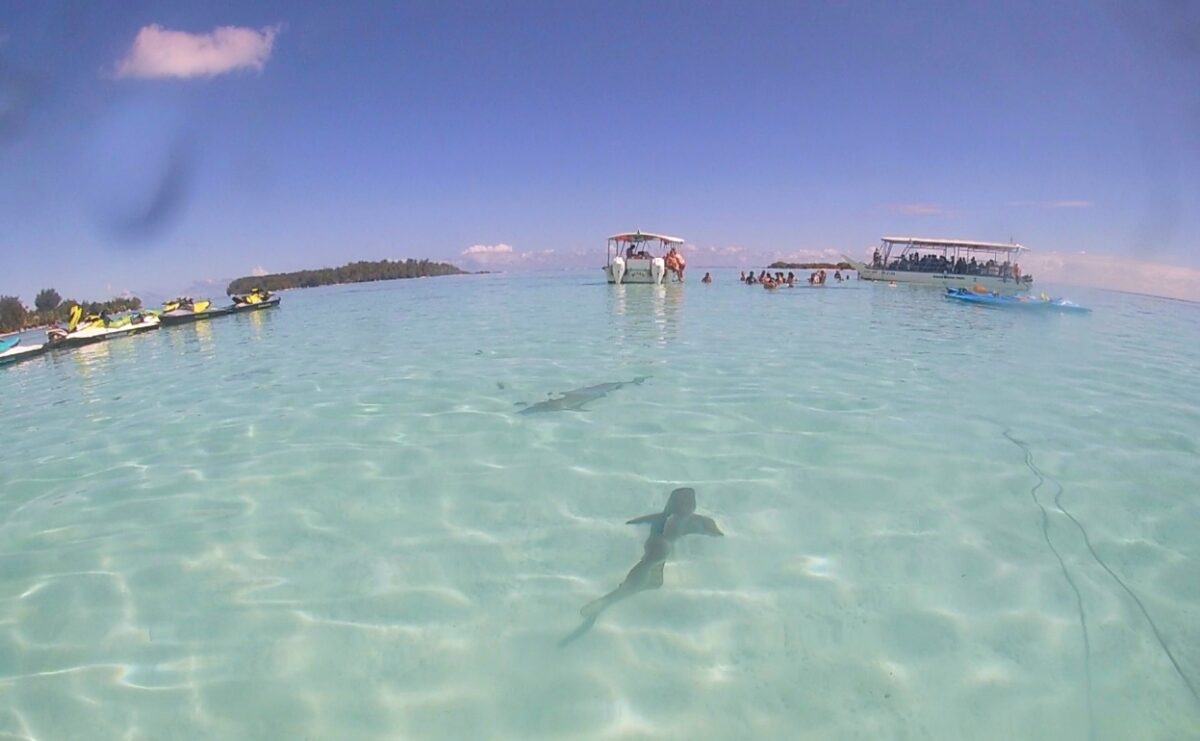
(573, 400)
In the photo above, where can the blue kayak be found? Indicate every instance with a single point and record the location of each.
(1020, 301)
(9, 343)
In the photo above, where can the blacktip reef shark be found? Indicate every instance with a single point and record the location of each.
(677, 519)
(573, 401)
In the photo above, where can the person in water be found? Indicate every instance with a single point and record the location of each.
(707, 278)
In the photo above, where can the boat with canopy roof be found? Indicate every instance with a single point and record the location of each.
(947, 263)
(642, 257)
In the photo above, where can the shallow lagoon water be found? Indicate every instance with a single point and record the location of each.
(329, 520)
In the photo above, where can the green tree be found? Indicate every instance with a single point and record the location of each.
(47, 300)
(12, 314)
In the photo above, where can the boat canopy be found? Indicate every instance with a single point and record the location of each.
(924, 243)
(639, 237)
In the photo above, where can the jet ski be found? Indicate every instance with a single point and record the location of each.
(256, 299)
(181, 310)
(12, 351)
(84, 330)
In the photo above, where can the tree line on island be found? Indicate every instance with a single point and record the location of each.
(356, 272)
(49, 307)
(810, 266)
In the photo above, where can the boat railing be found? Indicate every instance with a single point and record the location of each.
(948, 266)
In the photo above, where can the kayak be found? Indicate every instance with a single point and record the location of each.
(9, 343)
(1018, 301)
(99, 334)
(179, 316)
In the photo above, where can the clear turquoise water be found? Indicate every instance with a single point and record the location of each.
(329, 520)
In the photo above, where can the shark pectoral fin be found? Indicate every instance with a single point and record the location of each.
(702, 525)
(653, 519)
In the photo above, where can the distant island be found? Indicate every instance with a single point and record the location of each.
(780, 265)
(354, 272)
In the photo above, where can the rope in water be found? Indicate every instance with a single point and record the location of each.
(1087, 644)
(1088, 542)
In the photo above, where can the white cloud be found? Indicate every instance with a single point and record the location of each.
(709, 250)
(918, 209)
(161, 52)
(487, 249)
(1112, 271)
(505, 255)
(258, 271)
(1068, 203)
(492, 254)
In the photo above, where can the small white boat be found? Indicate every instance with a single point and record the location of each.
(947, 263)
(641, 257)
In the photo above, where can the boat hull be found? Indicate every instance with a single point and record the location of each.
(649, 271)
(16, 354)
(992, 283)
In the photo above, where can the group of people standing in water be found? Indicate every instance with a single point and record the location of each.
(769, 281)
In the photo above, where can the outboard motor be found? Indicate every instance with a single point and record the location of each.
(658, 269)
(617, 269)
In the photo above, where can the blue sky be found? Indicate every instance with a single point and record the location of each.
(326, 133)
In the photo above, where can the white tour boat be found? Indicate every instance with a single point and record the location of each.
(641, 257)
(947, 263)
